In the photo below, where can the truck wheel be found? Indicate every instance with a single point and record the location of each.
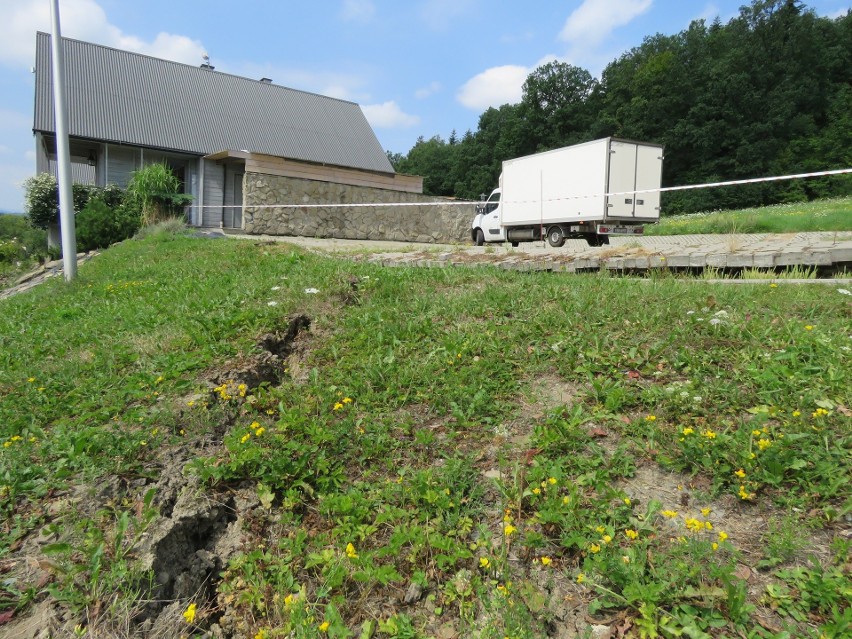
(594, 239)
(480, 238)
(555, 236)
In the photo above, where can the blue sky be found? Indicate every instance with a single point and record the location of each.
(417, 67)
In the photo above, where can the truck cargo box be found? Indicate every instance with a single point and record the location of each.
(571, 184)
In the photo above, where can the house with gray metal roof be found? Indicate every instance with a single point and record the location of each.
(126, 110)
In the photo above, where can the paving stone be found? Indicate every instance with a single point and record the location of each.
(697, 260)
(841, 255)
(763, 260)
(677, 261)
(739, 261)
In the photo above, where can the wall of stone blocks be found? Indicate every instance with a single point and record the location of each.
(446, 222)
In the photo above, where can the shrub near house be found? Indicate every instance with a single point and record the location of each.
(105, 215)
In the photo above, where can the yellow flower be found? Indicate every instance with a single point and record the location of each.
(259, 431)
(30, 379)
(709, 434)
(631, 534)
(688, 431)
(715, 546)
(189, 613)
(763, 444)
(740, 473)
(744, 494)
(581, 578)
(773, 285)
(191, 403)
(705, 511)
(625, 559)
(509, 530)
(261, 634)
(626, 501)
(722, 535)
(809, 327)
(606, 539)
(159, 379)
(694, 525)
(551, 480)
(796, 413)
(337, 406)
(565, 500)
(483, 562)
(323, 627)
(245, 438)
(288, 600)
(536, 491)
(594, 548)
(708, 525)
(546, 561)
(670, 514)
(650, 418)
(347, 400)
(601, 530)
(756, 432)
(507, 516)
(350, 551)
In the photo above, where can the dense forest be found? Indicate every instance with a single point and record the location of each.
(768, 93)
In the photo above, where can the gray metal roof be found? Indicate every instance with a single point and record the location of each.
(129, 98)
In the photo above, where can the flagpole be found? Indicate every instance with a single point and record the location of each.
(63, 155)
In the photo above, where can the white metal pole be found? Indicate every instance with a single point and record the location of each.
(63, 155)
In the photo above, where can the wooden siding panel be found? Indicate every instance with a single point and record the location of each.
(287, 168)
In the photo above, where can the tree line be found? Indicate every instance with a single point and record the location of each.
(768, 93)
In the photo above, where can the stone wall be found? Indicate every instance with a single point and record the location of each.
(438, 223)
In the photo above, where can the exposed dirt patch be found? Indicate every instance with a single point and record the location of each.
(267, 366)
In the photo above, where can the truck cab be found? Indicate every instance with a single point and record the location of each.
(486, 223)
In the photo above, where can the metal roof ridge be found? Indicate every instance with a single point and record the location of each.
(199, 68)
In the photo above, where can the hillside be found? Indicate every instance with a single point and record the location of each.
(242, 439)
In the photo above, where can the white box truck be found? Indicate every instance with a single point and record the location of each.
(585, 191)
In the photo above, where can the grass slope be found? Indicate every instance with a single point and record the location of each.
(444, 452)
(819, 215)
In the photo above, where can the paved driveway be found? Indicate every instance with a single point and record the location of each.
(624, 253)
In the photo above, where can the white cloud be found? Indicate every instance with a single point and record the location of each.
(357, 10)
(594, 20)
(427, 91)
(494, 87)
(83, 20)
(838, 14)
(497, 86)
(388, 115)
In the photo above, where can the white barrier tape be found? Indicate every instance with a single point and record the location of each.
(665, 189)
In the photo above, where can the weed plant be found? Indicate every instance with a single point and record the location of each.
(397, 459)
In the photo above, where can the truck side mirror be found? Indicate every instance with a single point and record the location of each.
(482, 197)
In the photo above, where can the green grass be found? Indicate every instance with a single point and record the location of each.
(820, 215)
(363, 473)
